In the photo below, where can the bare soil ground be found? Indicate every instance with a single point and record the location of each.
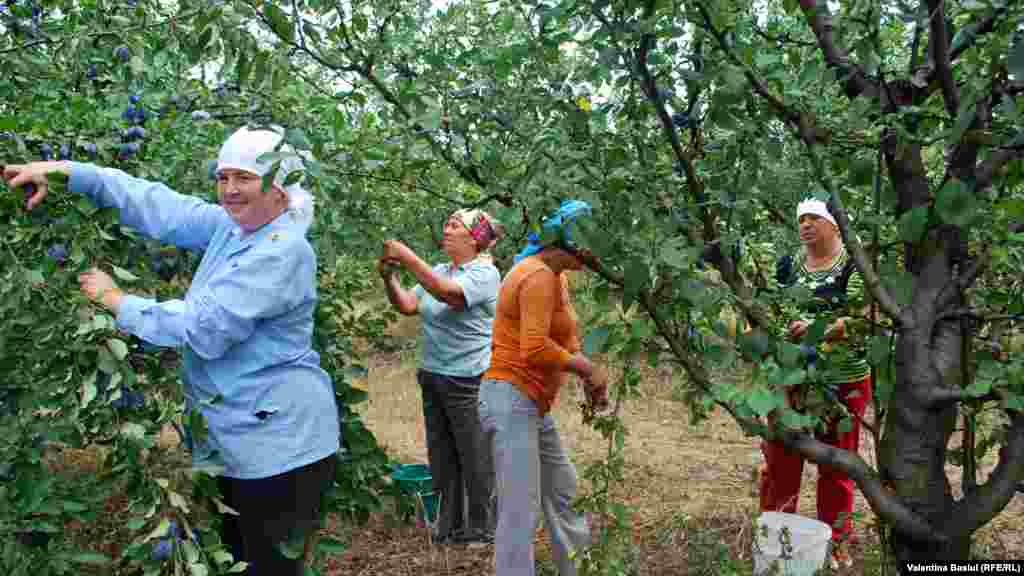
(690, 486)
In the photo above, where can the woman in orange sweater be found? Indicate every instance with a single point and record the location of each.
(534, 347)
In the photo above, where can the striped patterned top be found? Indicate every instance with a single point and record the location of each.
(845, 364)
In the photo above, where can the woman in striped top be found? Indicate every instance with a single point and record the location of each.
(825, 268)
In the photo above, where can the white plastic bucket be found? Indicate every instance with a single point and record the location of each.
(805, 541)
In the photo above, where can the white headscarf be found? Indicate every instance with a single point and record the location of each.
(815, 207)
(240, 152)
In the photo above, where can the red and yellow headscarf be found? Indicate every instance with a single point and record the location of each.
(481, 225)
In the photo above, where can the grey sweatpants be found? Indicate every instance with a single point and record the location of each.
(460, 457)
(532, 471)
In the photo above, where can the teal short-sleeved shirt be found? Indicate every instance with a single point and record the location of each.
(458, 342)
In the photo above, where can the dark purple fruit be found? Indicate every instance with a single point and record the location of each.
(58, 252)
(162, 549)
(134, 133)
(127, 150)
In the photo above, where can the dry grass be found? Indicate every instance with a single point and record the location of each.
(690, 486)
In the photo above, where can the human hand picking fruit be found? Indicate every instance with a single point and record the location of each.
(99, 287)
(396, 252)
(31, 177)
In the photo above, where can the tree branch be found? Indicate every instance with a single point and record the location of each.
(950, 292)
(986, 171)
(972, 31)
(781, 39)
(794, 118)
(884, 502)
(939, 41)
(977, 508)
(856, 83)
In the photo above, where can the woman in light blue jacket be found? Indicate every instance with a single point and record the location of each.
(245, 330)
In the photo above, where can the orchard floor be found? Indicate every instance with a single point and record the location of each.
(690, 487)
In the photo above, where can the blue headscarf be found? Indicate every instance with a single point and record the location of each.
(560, 223)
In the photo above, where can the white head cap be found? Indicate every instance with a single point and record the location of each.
(816, 207)
(244, 147)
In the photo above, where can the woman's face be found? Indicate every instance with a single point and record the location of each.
(814, 229)
(457, 239)
(241, 195)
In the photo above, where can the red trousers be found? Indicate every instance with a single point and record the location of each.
(780, 478)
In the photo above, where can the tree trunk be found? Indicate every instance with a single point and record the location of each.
(913, 453)
(928, 358)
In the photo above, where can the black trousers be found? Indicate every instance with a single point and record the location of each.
(271, 511)
(461, 463)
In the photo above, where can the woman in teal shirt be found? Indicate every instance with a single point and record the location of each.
(456, 301)
(245, 330)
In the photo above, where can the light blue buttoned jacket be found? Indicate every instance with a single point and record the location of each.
(245, 326)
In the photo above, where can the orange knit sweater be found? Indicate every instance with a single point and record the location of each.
(534, 334)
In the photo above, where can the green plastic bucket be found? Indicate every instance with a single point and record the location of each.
(413, 478)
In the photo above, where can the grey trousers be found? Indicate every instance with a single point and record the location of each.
(460, 459)
(532, 471)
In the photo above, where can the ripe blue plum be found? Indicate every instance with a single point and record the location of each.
(127, 150)
(200, 115)
(58, 252)
(90, 149)
(134, 133)
(122, 53)
(129, 400)
(64, 152)
(45, 151)
(809, 353)
(162, 549)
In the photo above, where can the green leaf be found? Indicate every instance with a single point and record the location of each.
(635, 277)
(260, 68)
(1015, 59)
(913, 223)
(297, 138)
(118, 348)
(878, 350)
(762, 401)
(964, 119)
(124, 275)
(93, 558)
(332, 546)
(239, 568)
(89, 389)
(280, 23)
(956, 204)
(675, 254)
(291, 550)
(198, 569)
(244, 66)
(794, 377)
(980, 387)
(788, 354)
(133, 430)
